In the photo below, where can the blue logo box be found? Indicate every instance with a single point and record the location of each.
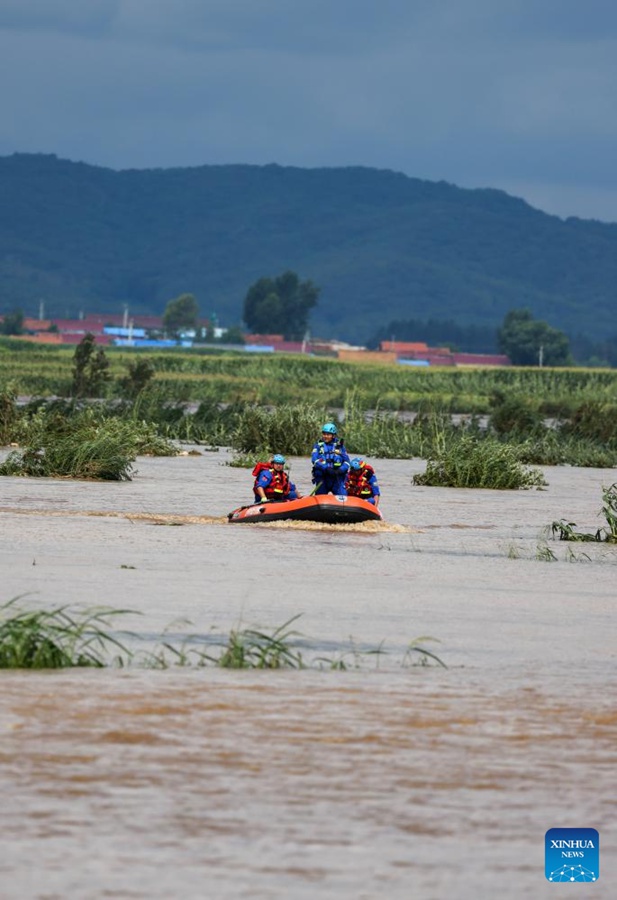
(572, 854)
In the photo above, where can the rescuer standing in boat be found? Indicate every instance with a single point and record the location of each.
(272, 481)
(362, 481)
(330, 462)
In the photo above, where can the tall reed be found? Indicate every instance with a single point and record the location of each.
(57, 638)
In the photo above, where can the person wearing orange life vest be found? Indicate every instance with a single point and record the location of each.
(272, 481)
(362, 481)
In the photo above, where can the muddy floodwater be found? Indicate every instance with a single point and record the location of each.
(386, 780)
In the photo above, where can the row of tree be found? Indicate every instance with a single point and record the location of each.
(438, 333)
(525, 340)
(282, 305)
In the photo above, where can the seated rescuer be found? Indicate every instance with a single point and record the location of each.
(272, 481)
(330, 462)
(362, 481)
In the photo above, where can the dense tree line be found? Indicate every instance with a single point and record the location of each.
(526, 340)
(595, 353)
(438, 333)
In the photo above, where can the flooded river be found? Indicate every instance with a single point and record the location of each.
(387, 780)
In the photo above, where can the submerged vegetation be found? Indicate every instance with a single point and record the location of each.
(472, 463)
(60, 638)
(65, 440)
(57, 638)
(608, 534)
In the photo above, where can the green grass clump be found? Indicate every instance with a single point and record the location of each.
(8, 413)
(287, 429)
(86, 445)
(244, 460)
(253, 649)
(56, 638)
(515, 415)
(595, 421)
(465, 461)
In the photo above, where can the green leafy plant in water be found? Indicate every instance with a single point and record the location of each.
(564, 531)
(246, 648)
(253, 649)
(545, 554)
(85, 445)
(571, 556)
(418, 655)
(245, 460)
(468, 462)
(57, 638)
(351, 659)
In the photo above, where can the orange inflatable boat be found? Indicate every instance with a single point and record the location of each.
(330, 508)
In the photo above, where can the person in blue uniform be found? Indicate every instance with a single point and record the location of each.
(330, 462)
(272, 481)
(362, 481)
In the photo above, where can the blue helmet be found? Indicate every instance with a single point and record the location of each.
(356, 463)
(278, 458)
(329, 428)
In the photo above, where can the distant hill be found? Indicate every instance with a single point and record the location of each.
(380, 245)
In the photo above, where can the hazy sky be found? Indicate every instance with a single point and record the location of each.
(515, 94)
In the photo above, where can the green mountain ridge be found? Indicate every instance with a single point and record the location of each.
(381, 245)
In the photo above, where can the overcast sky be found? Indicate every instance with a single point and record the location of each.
(514, 94)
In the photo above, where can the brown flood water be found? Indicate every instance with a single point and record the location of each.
(386, 781)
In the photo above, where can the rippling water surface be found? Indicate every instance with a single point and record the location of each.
(382, 781)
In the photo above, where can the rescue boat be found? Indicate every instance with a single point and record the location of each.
(330, 508)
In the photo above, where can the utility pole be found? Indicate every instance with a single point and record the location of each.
(541, 355)
(41, 310)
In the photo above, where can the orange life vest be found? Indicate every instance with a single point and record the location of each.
(278, 487)
(358, 481)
